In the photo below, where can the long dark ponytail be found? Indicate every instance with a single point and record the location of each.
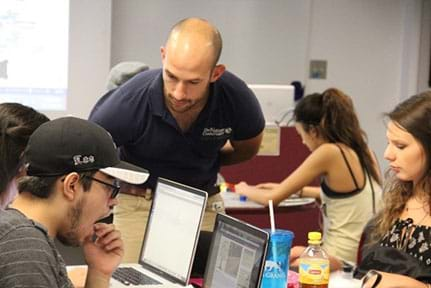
(332, 114)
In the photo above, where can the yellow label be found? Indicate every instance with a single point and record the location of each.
(313, 271)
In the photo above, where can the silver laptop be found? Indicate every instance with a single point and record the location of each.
(237, 255)
(170, 239)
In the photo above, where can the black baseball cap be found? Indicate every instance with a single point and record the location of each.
(70, 144)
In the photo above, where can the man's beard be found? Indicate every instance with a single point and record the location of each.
(70, 237)
(186, 108)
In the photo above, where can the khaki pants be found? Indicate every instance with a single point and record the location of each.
(131, 215)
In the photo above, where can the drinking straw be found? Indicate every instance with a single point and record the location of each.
(271, 216)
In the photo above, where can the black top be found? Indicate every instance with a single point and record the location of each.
(413, 239)
(328, 191)
(149, 136)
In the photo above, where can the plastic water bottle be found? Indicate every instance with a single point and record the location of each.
(314, 264)
(344, 278)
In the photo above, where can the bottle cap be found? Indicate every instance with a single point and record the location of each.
(314, 237)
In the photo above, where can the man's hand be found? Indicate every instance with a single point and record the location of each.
(104, 254)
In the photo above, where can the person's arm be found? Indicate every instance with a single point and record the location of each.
(315, 165)
(234, 152)
(95, 279)
(307, 191)
(117, 112)
(102, 255)
(246, 120)
(391, 280)
(310, 191)
(267, 185)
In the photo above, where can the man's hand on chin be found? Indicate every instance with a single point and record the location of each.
(104, 249)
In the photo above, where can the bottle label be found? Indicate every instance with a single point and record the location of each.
(313, 271)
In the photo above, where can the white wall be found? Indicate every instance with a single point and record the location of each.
(372, 48)
(425, 48)
(264, 41)
(89, 55)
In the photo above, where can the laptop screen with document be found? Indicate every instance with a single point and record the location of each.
(237, 254)
(172, 229)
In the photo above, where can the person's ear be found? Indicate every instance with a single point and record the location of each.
(71, 185)
(163, 53)
(217, 72)
(314, 132)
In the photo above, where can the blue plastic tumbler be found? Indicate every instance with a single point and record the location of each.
(277, 259)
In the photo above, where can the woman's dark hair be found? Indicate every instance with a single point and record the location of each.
(17, 123)
(333, 116)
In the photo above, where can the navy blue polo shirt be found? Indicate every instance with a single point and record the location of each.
(148, 135)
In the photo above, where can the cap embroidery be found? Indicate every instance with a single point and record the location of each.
(79, 159)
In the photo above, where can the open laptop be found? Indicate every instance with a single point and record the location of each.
(237, 254)
(170, 239)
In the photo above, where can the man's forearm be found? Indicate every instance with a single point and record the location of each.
(239, 151)
(96, 279)
(234, 157)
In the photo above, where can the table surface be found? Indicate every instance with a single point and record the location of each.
(78, 275)
(338, 279)
(299, 215)
(232, 200)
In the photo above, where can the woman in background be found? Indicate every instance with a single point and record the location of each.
(17, 123)
(350, 178)
(400, 239)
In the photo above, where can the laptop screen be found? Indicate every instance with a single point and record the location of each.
(173, 229)
(237, 254)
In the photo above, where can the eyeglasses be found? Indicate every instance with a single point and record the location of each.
(374, 277)
(115, 187)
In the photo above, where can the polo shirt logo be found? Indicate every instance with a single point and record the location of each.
(80, 160)
(216, 132)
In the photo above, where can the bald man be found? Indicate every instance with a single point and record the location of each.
(180, 122)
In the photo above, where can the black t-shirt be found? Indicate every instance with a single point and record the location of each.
(148, 135)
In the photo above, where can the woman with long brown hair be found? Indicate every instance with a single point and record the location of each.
(349, 173)
(400, 239)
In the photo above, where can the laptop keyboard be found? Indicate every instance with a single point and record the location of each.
(131, 276)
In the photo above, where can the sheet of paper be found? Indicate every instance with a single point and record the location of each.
(270, 145)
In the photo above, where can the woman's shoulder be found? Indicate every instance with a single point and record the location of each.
(326, 152)
(329, 148)
(337, 149)
(337, 152)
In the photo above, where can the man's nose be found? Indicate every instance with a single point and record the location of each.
(180, 91)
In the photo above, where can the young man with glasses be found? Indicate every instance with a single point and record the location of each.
(73, 171)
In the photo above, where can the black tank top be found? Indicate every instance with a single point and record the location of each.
(331, 193)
